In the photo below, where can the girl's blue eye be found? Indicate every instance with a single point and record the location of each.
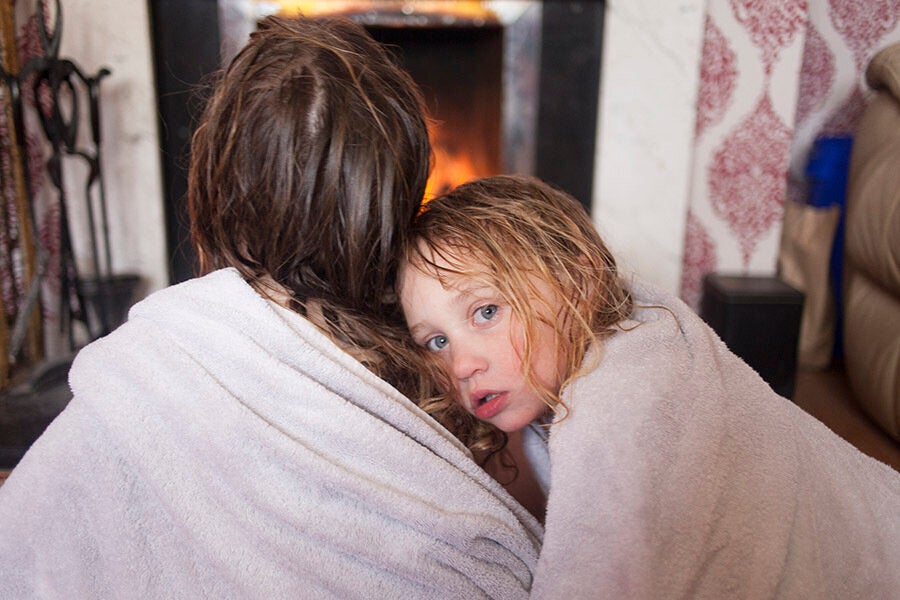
(486, 313)
(436, 343)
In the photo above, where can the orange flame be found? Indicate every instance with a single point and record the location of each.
(473, 9)
(451, 166)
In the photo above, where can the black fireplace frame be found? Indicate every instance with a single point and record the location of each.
(551, 136)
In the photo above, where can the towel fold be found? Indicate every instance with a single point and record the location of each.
(220, 447)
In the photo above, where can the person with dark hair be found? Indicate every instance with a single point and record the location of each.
(236, 437)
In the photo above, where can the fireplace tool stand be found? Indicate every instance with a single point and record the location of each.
(99, 300)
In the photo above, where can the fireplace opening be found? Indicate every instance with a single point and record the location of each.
(459, 70)
(512, 85)
(475, 61)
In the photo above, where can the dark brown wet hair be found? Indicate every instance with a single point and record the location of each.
(307, 168)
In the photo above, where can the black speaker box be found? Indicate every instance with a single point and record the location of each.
(758, 318)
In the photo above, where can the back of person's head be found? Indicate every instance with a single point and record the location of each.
(308, 166)
(310, 162)
(514, 233)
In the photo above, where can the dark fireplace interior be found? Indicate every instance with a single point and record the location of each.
(504, 97)
(459, 70)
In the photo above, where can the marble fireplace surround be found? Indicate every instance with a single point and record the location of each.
(645, 136)
(547, 75)
(645, 122)
(519, 21)
(641, 162)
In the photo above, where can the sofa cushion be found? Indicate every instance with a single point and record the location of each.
(872, 249)
(872, 241)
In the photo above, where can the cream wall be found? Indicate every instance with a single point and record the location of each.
(116, 34)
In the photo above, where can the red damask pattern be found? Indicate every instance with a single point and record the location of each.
(772, 25)
(816, 74)
(10, 286)
(718, 77)
(844, 120)
(29, 40)
(35, 153)
(747, 175)
(699, 259)
(11, 267)
(49, 236)
(797, 190)
(45, 210)
(863, 23)
(30, 47)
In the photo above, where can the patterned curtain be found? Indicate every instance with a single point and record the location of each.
(774, 77)
(21, 325)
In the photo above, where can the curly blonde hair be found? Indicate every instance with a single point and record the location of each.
(511, 232)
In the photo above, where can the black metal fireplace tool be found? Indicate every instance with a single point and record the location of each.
(98, 301)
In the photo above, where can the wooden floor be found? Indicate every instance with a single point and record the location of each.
(828, 397)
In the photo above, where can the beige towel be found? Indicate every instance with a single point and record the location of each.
(680, 474)
(214, 450)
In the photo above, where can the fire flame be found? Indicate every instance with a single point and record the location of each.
(452, 166)
(472, 9)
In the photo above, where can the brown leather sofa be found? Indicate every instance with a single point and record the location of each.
(871, 294)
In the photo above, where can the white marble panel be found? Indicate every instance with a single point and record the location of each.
(649, 82)
(116, 34)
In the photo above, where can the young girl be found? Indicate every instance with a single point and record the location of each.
(675, 470)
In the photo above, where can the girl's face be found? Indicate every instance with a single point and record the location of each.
(478, 339)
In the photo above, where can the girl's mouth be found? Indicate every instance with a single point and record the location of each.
(486, 399)
(489, 405)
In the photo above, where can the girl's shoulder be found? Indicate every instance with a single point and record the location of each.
(655, 354)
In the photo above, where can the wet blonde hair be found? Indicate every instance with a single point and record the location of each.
(511, 232)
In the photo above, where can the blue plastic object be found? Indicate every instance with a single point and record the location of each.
(826, 171)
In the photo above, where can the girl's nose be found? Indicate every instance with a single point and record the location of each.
(467, 362)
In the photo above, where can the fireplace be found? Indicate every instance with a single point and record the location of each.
(512, 85)
(459, 70)
(476, 63)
